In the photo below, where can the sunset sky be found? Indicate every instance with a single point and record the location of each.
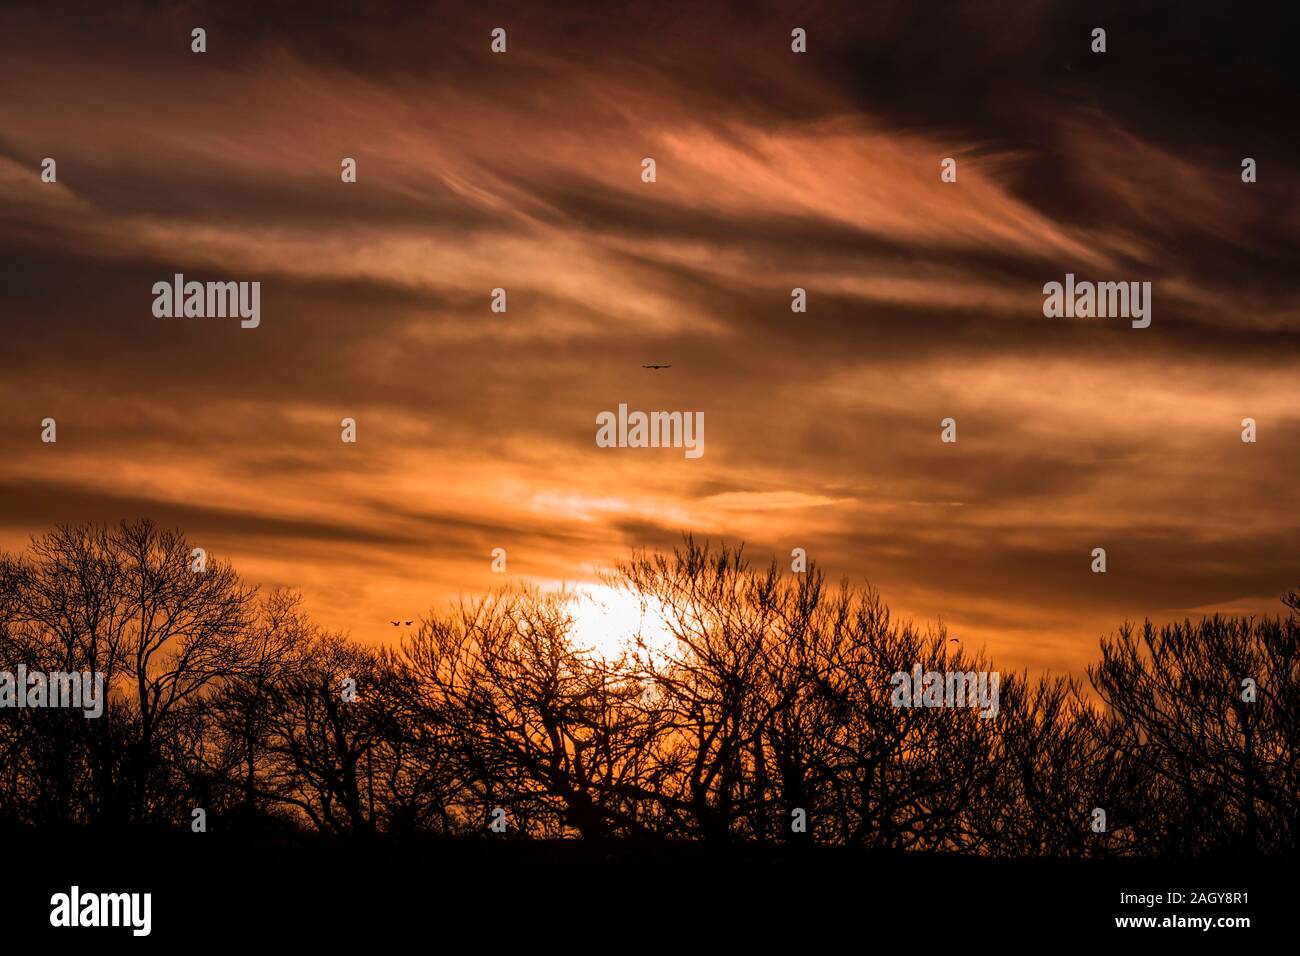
(775, 170)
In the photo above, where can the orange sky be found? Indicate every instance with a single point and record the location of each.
(522, 171)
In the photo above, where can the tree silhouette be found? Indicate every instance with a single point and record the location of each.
(770, 706)
(1223, 766)
(124, 602)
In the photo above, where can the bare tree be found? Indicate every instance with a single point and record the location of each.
(1210, 709)
(772, 703)
(328, 719)
(779, 693)
(126, 603)
(555, 735)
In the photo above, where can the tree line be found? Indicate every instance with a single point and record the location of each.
(768, 717)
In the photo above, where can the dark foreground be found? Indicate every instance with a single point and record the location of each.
(212, 890)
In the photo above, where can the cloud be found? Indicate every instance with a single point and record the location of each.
(775, 170)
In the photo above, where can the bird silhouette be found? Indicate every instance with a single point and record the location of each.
(394, 623)
(656, 367)
(409, 623)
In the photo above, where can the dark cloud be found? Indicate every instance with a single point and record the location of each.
(776, 170)
(24, 504)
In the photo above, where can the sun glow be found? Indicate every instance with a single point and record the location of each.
(608, 621)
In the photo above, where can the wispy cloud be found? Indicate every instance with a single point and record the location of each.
(774, 171)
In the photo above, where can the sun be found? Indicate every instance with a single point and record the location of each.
(608, 620)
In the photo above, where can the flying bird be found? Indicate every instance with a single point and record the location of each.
(394, 623)
(409, 623)
(656, 367)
